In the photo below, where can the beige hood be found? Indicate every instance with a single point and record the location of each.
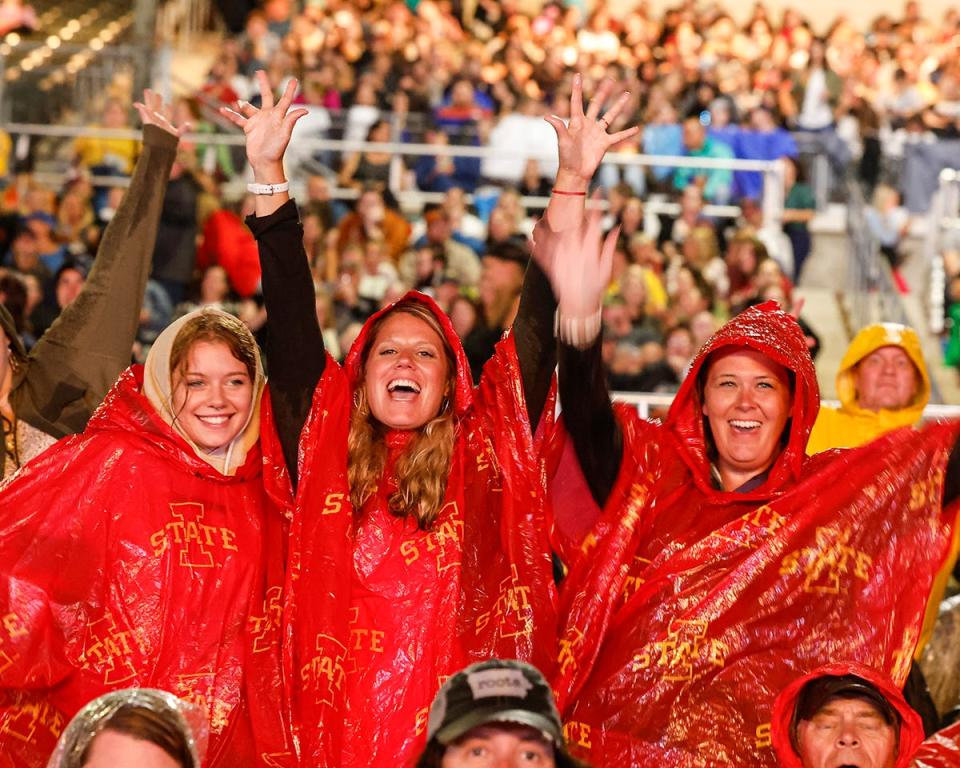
(158, 389)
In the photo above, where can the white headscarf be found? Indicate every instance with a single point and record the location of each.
(158, 389)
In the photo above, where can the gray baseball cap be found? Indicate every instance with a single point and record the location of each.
(495, 691)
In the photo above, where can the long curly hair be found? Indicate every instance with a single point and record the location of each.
(423, 469)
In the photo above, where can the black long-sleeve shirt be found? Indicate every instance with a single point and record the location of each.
(294, 344)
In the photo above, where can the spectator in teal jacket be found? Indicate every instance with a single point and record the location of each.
(717, 183)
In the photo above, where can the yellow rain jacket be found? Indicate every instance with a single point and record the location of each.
(850, 425)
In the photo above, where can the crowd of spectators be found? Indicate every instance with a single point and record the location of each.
(488, 76)
(700, 84)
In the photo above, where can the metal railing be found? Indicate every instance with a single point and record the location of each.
(943, 232)
(37, 87)
(871, 295)
(772, 171)
(825, 165)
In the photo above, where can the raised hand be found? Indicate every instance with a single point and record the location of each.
(267, 129)
(153, 111)
(578, 267)
(584, 141)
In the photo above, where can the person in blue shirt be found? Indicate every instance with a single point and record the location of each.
(717, 183)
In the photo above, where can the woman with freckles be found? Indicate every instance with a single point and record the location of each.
(418, 543)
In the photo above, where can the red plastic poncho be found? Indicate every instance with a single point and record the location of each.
(690, 607)
(911, 726)
(942, 750)
(382, 612)
(128, 561)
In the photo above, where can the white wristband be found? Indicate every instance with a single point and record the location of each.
(579, 332)
(268, 189)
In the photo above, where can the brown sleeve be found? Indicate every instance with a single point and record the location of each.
(75, 363)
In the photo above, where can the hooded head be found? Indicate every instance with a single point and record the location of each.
(131, 724)
(430, 332)
(894, 728)
(204, 378)
(852, 376)
(772, 337)
(411, 382)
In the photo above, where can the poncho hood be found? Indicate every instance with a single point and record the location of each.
(158, 390)
(771, 331)
(463, 384)
(869, 340)
(911, 726)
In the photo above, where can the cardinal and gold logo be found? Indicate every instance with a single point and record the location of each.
(194, 544)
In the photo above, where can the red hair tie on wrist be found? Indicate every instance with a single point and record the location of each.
(572, 194)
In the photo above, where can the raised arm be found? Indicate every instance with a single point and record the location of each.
(579, 270)
(76, 362)
(581, 145)
(295, 354)
(567, 248)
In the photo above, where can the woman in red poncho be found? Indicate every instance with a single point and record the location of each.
(148, 551)
(724, 562)
(418, 545)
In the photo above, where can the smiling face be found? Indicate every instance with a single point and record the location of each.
(746, 400)
(406, 372)
(886, 378)
(501, 745)
(212, 395)
(847, 732)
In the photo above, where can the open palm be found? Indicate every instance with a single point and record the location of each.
(584, 140)
(269, 128)
(153, 111)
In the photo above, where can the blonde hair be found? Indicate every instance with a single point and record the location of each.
(423, 468)
(708, 248)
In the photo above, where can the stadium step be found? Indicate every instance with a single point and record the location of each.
(822, 285)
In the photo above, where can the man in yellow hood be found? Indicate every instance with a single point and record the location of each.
(882, 384)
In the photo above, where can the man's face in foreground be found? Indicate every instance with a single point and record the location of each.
(500, 745)
(851, 733)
